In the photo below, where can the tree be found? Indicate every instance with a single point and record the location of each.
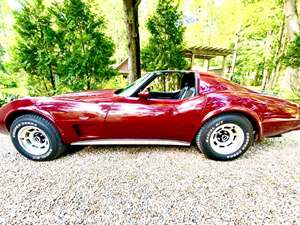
(293, 54)
(164, 50)
(292, 59)
(63, 47)
(291, 15)
(133, 36)
(84, 50)
(260, 40)
(1, 59)
(35, 48)
(293, 28)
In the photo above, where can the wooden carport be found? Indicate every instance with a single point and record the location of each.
(206, 53)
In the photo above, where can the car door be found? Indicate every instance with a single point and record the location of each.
(138, 118)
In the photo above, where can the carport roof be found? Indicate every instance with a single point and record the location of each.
(205, 52)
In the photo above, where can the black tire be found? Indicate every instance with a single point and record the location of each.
(212, 137)
(55, 146)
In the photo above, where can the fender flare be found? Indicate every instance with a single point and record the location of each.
(251, 115)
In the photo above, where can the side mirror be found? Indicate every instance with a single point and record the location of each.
(144, 95)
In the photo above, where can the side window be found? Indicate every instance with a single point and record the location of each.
(170, 82)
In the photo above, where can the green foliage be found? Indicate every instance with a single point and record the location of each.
(2, 52)
(7, 98)
(207, 22)
(6, 81)
(262, 24)
(164, 50)
(84, 50)
(292, 57)
(114, 14)
(116, 82)
(13, 83)
(35, 50)
(63, 47)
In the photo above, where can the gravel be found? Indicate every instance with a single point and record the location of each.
(153, 185)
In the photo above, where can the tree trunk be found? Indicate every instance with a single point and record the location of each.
(268, 52)
(234, 55)
(88, 83)
(293, 28)
(265, 78)
(256, 78)
(278, 54)
(52, 78)
(291, 16)
(131, 13)
(276, 75)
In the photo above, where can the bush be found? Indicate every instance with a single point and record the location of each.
(6, 82)
(7, 98)
(292, 59)
(236, 77)
(295, 84)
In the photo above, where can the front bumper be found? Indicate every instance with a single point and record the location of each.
(3, 113)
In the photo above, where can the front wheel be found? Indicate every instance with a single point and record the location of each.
(36, 138)
(225, 137)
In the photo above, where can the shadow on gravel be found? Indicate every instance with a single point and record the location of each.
(131, 149)
(265, 145)
(259, 149)
(73, 149)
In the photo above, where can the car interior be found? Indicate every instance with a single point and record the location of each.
(172, 85)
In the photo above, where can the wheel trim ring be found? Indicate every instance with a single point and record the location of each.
(33, 140)
(232, 143)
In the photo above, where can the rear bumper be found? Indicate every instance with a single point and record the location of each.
(298, 118)
(298, 126)
(276, 127)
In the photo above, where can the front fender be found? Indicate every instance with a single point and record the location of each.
(11, 111)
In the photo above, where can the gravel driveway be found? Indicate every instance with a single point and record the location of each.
(153, 185)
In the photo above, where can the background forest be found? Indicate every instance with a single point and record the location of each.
(50, 47)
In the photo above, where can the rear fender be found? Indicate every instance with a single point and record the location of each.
(251, 115)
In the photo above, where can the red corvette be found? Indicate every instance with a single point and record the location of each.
(164, 108)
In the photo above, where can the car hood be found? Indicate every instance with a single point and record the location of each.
(88, 96)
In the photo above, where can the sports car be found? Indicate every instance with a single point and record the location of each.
(221, 118)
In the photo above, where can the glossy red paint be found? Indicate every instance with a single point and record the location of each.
(105, 115)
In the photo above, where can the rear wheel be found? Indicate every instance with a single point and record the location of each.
(36, 138)
(225, 137)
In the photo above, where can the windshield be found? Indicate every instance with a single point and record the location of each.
(131, 88)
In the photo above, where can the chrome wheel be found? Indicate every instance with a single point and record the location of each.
(33, 140)
(227, 138)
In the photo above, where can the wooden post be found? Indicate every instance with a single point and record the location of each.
(267, 56)
(234, 55)
(206, 65)
(293, 28)
(192, 61)
(224, 65)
